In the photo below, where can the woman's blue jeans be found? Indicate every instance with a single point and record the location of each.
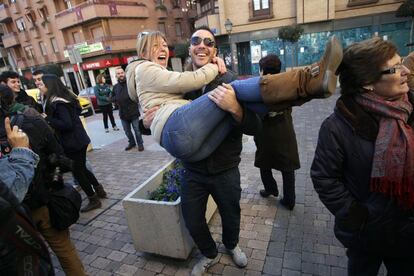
(196, 129)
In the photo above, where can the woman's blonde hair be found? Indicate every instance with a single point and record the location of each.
(146, 40)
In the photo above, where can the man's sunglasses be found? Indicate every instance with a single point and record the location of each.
(196, 40)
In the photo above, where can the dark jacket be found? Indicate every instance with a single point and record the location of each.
(44, 143)
(128, 110)
(341, 173)
(276, 143)
(23, 98)
(63, 117)
(103, 94)
(227, 155)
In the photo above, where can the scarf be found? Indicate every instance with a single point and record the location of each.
(393, 163)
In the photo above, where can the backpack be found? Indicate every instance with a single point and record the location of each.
(22, 249)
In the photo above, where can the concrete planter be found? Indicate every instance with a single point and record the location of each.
(158, 227)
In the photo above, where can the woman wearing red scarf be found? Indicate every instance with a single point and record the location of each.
(363, 168)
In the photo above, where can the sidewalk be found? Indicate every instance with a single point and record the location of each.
(276, 241)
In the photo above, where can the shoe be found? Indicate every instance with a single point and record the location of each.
(100, 191)
(130, 147)
(203, 264)
(238, 256)
(106, 130)
(140, 147)
(296, 87)
(115, 128)
(94, 203)
(265, 193)
(288, 205)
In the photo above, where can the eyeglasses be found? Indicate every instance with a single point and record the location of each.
(393, 69)
(196, 40)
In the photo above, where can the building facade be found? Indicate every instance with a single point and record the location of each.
(39, 32)
(254, 24)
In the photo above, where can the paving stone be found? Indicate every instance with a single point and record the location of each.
(154, 266)
(233, 271)
(273, 266)
(292, 260)
(90, 249)
(113, 266)
(100, 262)
(256, 265)
(338, 271)
(126, 270)
(117, 256)
(255, 244)
(288, 272)
(276, 249)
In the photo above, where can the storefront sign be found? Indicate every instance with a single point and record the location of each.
(104, 63)
(86, 49)
(256, 52)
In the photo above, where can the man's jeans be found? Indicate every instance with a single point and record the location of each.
(126, 124)
(226, 191)
(195, 130)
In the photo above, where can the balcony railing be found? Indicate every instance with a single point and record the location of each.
(10, 40)
(96, 9)
(5, 13)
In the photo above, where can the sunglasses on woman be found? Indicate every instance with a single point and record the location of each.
(196, 40)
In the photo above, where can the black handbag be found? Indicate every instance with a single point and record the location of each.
(143, 129)
(64, 206)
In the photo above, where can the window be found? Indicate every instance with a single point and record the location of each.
(76, 37)
(43, 13)
(178, 29)
(176, 3)
(260, 9)
(31, 17)
(21, 26)
(360, 2)
(161, 27)
(68, 4)
(43, 49)
(12, 1)
(205, 7)
(97, 32)
(191, 4)
(54, 45)
(29, 52)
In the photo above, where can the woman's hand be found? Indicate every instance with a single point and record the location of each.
(149, 115)
(220, 64)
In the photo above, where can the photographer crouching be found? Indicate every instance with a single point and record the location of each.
(47, 189)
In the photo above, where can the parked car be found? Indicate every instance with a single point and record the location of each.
(84, 102)
(88, 93)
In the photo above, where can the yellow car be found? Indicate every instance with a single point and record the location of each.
(84, 102)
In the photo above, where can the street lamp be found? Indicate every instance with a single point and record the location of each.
(228, 25)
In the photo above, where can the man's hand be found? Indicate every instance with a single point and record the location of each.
(225, 98)
(16, 137)
(149, 115)
(220, 64)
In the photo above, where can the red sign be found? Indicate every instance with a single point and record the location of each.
(104, 63)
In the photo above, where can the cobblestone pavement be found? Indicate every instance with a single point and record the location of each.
(276, 241)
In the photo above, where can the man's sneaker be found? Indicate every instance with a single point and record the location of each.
(115, 128)
(203, 264)
(129, 147)
(238, 256)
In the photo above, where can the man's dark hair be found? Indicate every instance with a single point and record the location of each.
(8, 75)
(38, 72)
(204, 28)
(270, 64)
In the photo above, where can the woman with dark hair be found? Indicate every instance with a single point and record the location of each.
(103, 95)
(363, 168)
(63, 110)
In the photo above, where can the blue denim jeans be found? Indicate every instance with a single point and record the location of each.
(126, 124)
(196, 129)
(225, 189)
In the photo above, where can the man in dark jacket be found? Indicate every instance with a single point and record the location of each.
(12, 80)
(276, 145)
(218, 175)
(128, 111)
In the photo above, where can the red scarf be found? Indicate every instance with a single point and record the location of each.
(393, 164)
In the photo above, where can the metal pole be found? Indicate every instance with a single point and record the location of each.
(83, 84)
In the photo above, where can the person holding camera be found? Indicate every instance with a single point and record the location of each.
(44, 144)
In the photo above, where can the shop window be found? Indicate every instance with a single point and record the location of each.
(20, 24)
(68, 4)
(54, 45)
(360, 2)
(43, 13)
(97, 32)
(29, 52)
(43, 49)
(178, 29)
(161, 28)
(76, 37)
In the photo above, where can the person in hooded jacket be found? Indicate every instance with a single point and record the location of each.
(103, 95)
(62, 113)
(363, 169)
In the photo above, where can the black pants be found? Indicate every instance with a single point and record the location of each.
(361, 263)
(107, 111)
(226, 192)
(270, 184)
(85, 177)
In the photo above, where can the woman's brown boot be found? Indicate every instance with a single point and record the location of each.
(94, 203)
(299, 86)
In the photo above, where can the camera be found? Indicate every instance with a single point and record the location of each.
(5, 148)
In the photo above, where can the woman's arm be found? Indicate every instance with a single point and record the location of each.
(156, 79)
(61, 119)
